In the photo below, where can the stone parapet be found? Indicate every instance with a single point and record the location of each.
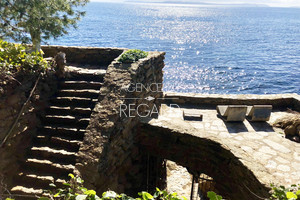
(85, 55)
(109, 157)
(276, 100)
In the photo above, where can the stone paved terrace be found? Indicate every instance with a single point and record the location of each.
(260, 147)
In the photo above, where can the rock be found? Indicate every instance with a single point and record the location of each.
(60, 61)
(290, 123)
(290, 130)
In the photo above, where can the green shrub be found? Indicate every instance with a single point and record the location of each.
(213, 196)
(14, 59)
(133, 55)
(283, 193)
(278, 193)
(74, 190)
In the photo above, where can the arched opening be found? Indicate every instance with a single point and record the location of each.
(232, 178)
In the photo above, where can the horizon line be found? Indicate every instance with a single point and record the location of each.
(200, 3)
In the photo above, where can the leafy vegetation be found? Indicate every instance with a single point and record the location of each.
(38, 19)
(283, 193)
(132, 55)
(278, 193)
(74, 190)
(213, 196)
(14, 59)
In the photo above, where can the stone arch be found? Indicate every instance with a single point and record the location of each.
(201, 155)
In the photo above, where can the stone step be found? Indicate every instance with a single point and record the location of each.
(81, 85)
(65, 132)
(74, 102)
(39, 181)
(60, 119)
(48, 167)
(90, 75)
(66, 120)
(57, 142)
(34, 180)
(81, 112)
(26, 193)
(55, 155)
(88, 93)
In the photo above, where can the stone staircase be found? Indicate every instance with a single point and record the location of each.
(54, 150)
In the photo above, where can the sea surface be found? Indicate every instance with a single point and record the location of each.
(209, 49)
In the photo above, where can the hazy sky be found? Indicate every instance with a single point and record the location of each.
(277, 3)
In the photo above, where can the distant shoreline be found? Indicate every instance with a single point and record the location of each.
(192, 3)
(197, 3)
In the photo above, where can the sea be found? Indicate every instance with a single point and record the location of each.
(210, 49)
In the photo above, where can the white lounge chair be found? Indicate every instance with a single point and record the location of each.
(232, 113)
(258, 113)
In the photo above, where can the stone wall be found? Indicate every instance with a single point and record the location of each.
(291, 101)
(14, 93)
(85, 55)
(109, 157)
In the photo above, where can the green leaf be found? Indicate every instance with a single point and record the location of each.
(213, 196)
(79, 180)
(149, 196)
(57, 194)
(298, 192)
(146, 195)
(43, 198)
(291, 195)
(52, 185)
(90, 193)
(81, 197)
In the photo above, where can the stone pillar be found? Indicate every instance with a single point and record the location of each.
(195, 186)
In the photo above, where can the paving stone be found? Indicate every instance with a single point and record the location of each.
(282, 160)
(297, 156)
(276, 146)
(262, 133)
(247, 149)
(296, 165)
(261, 156)
(296, 174)
(284, 168)
(239, 138)
(287, 180)
(207, 125)
(197, 125)
(268, 150)
(271, 164)
(253, 136)
(222, 128)
(217, 123)
(224, 134)
(278, 174)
